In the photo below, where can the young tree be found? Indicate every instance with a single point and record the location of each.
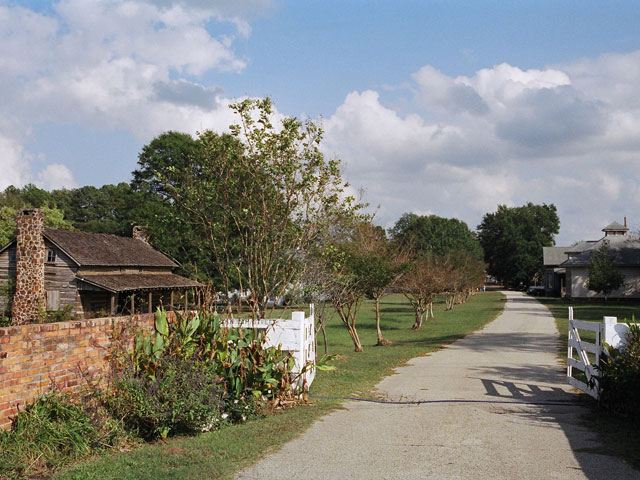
(258, 198)
(604, 276)
(420, 284)
(512, 239)
(381, 266)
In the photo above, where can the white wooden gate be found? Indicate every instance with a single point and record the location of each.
(583, 362)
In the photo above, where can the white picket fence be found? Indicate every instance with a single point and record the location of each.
(609, 331)
(295, 335)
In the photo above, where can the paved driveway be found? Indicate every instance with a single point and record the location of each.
(496, 407)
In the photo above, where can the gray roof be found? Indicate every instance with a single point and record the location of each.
(101, 249)
(616, 227)
(625, 251)
(553, 256)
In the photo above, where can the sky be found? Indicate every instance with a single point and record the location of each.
(433, 107)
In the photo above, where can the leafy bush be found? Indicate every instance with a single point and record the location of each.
(181, 397)
(49, 433)
(619, 379)
(236, 355)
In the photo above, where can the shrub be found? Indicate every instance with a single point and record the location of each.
(619, 379)
(236, 355)
(182, 397)
(47, 434)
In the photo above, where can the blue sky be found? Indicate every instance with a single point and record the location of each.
(443, 107)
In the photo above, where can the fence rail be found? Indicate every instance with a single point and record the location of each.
(584, 362)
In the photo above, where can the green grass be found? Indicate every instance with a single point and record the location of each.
(617, 436)
(589, 311)
(217, 455)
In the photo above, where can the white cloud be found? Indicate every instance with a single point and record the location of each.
(55, 176)
(120, 64)
(567, 135)
(13, 164)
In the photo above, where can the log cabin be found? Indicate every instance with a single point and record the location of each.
(90, 274)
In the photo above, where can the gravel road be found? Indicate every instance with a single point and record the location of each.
(495, 407)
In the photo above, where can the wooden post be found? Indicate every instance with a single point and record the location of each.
(171, 300)
(133, 304)
(114, 303)
(186, 299)
(150, 302)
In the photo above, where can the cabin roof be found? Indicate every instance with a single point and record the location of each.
(102, 249)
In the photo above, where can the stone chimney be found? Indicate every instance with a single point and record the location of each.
(141, 233)
(29, 295)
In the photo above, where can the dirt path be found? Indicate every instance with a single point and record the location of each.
(497, 408)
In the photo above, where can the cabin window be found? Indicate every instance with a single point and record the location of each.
(51, 256)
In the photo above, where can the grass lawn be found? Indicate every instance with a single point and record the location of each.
(618, 436)
(590, 311)
(217, 455)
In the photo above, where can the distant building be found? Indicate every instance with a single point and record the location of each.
(95, 273)
(566, 268)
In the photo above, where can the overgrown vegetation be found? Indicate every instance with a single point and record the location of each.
(51, 432)
(191, 375)
(619, 377)
(188, 375)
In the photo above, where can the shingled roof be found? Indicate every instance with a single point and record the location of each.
(101, 249)
(624, 251)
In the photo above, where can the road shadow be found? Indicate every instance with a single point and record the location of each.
(552, 407)
(546, 403)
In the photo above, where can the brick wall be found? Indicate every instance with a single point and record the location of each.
(34, 357)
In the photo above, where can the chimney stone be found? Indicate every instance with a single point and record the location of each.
(141, 233)
(29, 295)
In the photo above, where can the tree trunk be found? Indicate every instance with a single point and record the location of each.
(324, 338)
(381, 340)
(418, 322)
(356, 340)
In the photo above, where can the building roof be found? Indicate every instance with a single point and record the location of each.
(553, 256)
(137, 281)
(615, 227)
(101, 249)
(624, 250)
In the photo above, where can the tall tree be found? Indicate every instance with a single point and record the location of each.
(430, 234)
(604, 276)
(512, 239)
(258, 198)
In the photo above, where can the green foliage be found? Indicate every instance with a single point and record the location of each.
(619, 377)
(182, 396)
(604, 276)
(53, 218)
(50, 432)
(63, 314)
(430, 234)
(257, 198)
(512, 239)
(191, 373)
